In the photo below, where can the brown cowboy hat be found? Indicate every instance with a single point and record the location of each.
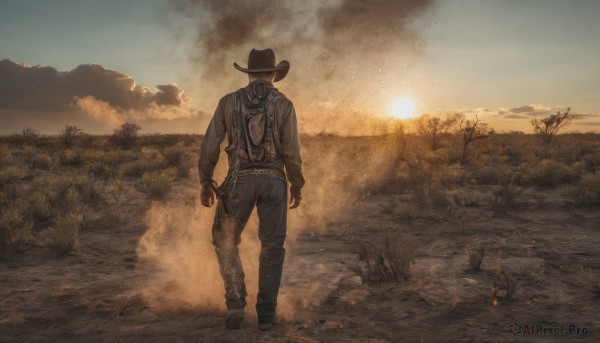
(260, 61)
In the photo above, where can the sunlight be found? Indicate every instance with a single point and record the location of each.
(402, 108)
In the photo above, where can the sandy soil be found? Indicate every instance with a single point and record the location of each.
(100, 293)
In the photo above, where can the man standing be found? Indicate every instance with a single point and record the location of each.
(262, 136)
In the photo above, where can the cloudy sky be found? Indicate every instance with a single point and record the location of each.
(165, 64)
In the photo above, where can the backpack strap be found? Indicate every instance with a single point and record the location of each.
(273, 120)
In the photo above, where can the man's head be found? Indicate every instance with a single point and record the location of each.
(264, 76)
(261, 65)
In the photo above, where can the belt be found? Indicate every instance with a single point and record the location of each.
(262, 171)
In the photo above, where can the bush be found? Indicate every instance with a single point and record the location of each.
(40, 161)
(387, 260)
(64, 235)
(15, 229)
(475, 252)
(5, 155)
(70, 158)
(586, 192)
(125, 136)
(156, 184)
(550, 173)
(10, 175)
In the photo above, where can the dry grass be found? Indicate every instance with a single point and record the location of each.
(387, 260)
(475, 252)
(15, 228)
(156, 184)
(64, 235)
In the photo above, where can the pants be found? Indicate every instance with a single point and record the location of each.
(269, 194)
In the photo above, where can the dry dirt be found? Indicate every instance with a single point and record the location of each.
(101, 292)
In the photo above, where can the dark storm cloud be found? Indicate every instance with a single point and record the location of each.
(46, 89)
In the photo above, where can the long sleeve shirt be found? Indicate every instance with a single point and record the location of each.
(223, 124)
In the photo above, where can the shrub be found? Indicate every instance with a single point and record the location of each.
(387, 260)
(486, 175)
(586, 192)
(70, 158)
(98, 169)
(115, 212)
(30, 136)
(40, 207)
(10, 175)
(157, 184)
(40, 160)
(64, 235)
(15, 229)
(69, 134)
(5, 155)
(505, 288)
(175, 155)
(475, 252)
(507, 192)
(125, 136)
(550, 173)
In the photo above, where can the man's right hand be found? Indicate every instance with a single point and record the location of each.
(295, 197)
(207, 196)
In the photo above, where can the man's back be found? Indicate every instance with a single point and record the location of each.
(263, 146)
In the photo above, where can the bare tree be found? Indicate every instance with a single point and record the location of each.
(30, 136)
(548, 128)
(472, 130)
(434, 127)
(69, 133)
(126, 135)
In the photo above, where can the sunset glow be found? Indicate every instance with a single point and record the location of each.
(402, 108)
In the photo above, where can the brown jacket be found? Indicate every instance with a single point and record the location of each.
(223, 123)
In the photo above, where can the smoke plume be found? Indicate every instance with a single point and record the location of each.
(346, 53)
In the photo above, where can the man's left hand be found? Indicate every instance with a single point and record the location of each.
(207, 196)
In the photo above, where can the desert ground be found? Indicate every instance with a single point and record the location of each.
(108, 243)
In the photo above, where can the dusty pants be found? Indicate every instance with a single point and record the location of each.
(269, 194)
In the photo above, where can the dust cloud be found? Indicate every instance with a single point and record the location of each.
(347, 57)
(336, 48)
(178, 238)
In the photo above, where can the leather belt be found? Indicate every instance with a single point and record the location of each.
(262, 171)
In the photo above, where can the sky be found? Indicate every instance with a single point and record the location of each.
(504, 61)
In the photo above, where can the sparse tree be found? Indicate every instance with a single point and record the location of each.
(126, 135)
(69, 133)
(433, 128)
(549, 127)
(472, 130)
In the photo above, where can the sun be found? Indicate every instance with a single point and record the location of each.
(402, 108)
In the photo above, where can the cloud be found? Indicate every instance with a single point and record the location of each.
(108, 96)
(46, 89)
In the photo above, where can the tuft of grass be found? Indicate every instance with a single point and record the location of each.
(475, 252)
(507, 192)
(157, 184)
(504, 289)
(10, 175)
(64, 235)
(115, 211)
(387, 260)
(15, 228)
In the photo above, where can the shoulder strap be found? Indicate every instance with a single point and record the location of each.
(273, 119)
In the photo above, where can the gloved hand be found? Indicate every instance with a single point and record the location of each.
(207, 196)
(296, 197)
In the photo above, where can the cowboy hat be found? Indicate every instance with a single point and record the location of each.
(260, 61)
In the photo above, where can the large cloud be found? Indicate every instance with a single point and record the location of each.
(108, 96)
(46, 89)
